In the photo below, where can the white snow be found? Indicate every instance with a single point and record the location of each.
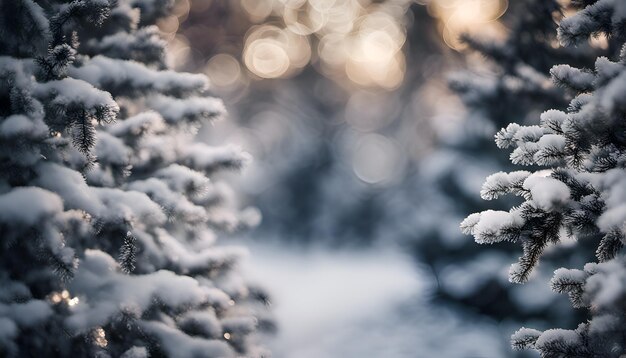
(143, 123)
(547, 193)
(200, 156)
(505, 138)
(173, 203)
(614, 217)
(204, 321)
(27, 314)
(500, 183)
(569, 275)
(136, 352)
(18, 124)
(469, 223)
(129, 206)
(555, 141)
(104, 72)
(549, 337)
(193, 258)
(111, 150)
(488, 228)
(69, 185)
(177, 344)
(529, 133)
(607, 69)
(28, 206)
(573, 77)
(109, 292)
(600, 324)
(191, 109)
(608, 286)
(180, 178)
(553, 116)
(525, 334)
(612, 96)
(70, 90)
(370, 303)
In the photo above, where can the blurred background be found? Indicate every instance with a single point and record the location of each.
(371, 125)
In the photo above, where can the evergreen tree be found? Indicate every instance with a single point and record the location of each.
(574, 189)
(511, 87)
(108, 218)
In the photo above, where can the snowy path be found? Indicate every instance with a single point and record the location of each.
(360, 304)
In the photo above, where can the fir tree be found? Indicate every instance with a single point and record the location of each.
(108, 218)
(509, 86)
(574, 189)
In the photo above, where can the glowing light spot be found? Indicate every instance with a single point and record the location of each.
(99, 337)
(322, 5)
(56, 298)
(63, 296)
(257, 10)
(223, 70)
(375, 46)
(227, 336)
(385, 28)
(357, 41)
(181, 9)
(375, 159)
(293, 4)
(386, 74)
(266, 58)
(304, 20)
(342, 16)
(468, 16)
(333, 50)
(271, 52)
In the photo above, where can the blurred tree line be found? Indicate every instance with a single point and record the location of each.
(345, 163)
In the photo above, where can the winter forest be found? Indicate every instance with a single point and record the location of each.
(313, 178)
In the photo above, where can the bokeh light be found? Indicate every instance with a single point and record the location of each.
(99, 337)
(354, 42)
(376, 159)
(223, 70)
(256, 10)
(467, 16)
(305, 20)
(273, 52)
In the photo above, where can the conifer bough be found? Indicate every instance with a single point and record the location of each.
(580, 192)
(107, 216)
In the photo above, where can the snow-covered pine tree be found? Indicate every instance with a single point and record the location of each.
(511, 84)
(578, 191)
(107, 216)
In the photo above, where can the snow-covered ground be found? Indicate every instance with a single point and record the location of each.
(361, 304)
